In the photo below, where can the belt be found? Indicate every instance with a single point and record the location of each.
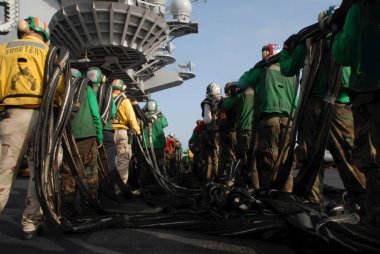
(20, 107)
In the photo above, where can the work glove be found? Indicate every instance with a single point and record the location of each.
(152, 118)
(291, 42)
(333, 23)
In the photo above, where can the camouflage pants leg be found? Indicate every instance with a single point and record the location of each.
(340, 144)
(123, 153)
(16, 134)
(244, 152)
(227, 151)
(272, 138)
(366, 152)
(212, 154)
(88, 152)
(307, 136)
(340, 138)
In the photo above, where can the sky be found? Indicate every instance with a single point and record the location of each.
(231, 35)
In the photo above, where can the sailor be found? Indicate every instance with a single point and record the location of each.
(87, 129)
(178, 154)
(273, 103)
(170, 149)
(357, 45)
(196, 147)
(154, 137)
(227, 124)
(210, 108)
(22, 64)
(244, 101)
(187, 160)
(107, 110)
(341, 133)
(124, 123)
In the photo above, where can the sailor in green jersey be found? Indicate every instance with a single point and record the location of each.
(227, 124)
(97, 78)
(273, 102)
(244, 102)
(87, 130)
(357, 45)
(341, 133)
(178, 154)
(197, 148)
(156, 137)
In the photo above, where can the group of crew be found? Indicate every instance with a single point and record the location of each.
(248, 130)
(99, 123)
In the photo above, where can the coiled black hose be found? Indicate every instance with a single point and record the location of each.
(49, 128)
(105, 100)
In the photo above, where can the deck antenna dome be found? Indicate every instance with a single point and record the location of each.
(181, 9)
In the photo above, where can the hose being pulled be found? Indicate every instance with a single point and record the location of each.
(49, 129)
(105, 100)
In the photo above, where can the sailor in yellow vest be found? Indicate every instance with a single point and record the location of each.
(125, 121)
(22, 63)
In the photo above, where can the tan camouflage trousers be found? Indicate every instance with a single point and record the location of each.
(123, 153)
(16, 136)
(366, 152)
(272, 137)
(227, 152)
(212, 155)
(244, 152)
(340, 143)
(88, 151)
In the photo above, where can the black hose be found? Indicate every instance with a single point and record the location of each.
(313, 58)
(49, 132)
(306, 177)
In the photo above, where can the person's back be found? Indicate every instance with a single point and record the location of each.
(340, 131)
(274, 95)
(22, 86)
(86, 127)
(357, 46)
(22, 68)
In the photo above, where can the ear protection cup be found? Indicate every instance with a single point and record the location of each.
(22, 27)
(104, 78)
(123, 88)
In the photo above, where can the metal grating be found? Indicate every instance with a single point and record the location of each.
(114, 35)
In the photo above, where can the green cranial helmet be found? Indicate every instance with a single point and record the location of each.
(95, 75)
(35, 24)
(118, 84)
(75, 73)
(152, 105)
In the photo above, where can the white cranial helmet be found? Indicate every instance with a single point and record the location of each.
(213, 89)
